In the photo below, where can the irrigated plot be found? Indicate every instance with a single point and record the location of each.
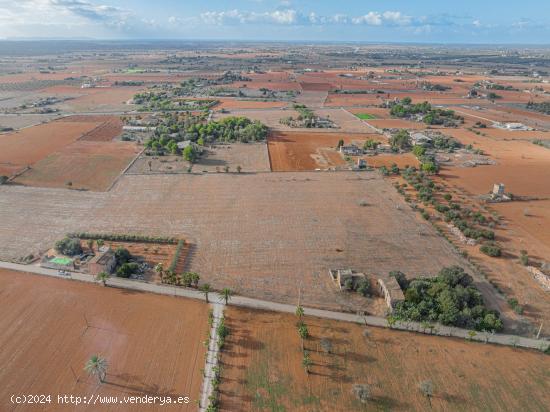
(51, 328)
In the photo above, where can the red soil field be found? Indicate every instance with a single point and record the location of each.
(153, 344)
(90, 165)
(401, 160)
(316, 87)
(397, 124)
(297, 151)
(522, 166)
(107, 131)
(262, 370)
(248, 104)
(28, 146)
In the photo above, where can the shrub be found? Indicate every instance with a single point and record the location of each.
(127, 269)
(69, 246)
(364, 287)
(524, 258)
(491, 249)
(122, 256)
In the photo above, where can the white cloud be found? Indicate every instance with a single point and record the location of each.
(372, 18)
(285, 17)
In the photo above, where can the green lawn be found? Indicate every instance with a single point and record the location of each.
(365, 116)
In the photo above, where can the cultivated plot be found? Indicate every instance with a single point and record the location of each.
(153, 344)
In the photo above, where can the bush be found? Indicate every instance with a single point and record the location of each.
(127, 269)
(524, 258)
(69, 246)
(122, 256)
(364, 287)
(491, 249)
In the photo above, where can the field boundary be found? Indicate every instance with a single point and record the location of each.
(367, 320)
(115, 181)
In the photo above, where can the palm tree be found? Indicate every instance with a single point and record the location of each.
(97, 366)
(195, 278)
(299, 312)
(205, 288)
(226, 295)
(99, 243)
(160, 270)
(102, 277)
(306, 362)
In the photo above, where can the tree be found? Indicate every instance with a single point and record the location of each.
(401, 140)
(189, 153)
(69, 246)
(159, 269)
(427, 389)
(226, 295)
(102, 277)
(226, 169)
(524, 258)
(99, 243)
(340, 143)
(205, 289)
(303, 331)
(307, 362)
(127, 269)
(90, 244)
(3, 179)
(299, 312)
(122, 256)
(239, 168)
(97, 366)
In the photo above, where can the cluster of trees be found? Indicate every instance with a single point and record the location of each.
(430, 115)
(199, 132)
(69, 246)
(125, 267)
(543, 107)
(434, 87)
(170, 100)
(450, 299)
(401, 141)
(362, 286)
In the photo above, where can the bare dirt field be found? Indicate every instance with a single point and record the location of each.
(262, 370)
(251, 157)
(237, 104)
(21, 121)
(401, 160)
(296, 151)
(153, 344)
(521, 166)
(90, 165)
(23, 148)
(265, 235)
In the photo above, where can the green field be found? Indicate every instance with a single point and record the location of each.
(365, 116)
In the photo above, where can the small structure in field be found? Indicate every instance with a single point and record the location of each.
(362, 164)
(498, 193)
(391, 291)
(103, 261)
(420, 139)
(345, 277)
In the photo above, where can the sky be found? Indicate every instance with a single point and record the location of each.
(417, 21)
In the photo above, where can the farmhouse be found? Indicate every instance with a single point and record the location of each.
(420, 139)
(350, 150)
(103, 261)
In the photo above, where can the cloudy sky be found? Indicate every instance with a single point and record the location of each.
(461, 21)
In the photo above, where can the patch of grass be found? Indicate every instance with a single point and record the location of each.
(365, 116)
(266, 394)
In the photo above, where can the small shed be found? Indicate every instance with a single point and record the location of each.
(104, 261)
(391, 291)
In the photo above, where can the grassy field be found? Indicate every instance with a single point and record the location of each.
(365, 116)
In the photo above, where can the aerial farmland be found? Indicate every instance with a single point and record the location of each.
(276, 226)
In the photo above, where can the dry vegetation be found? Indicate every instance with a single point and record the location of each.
(262, 369)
